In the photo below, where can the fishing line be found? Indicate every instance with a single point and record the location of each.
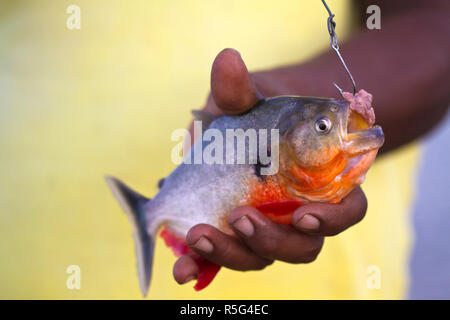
(331, 25)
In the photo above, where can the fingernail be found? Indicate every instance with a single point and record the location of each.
(308, 222)
(190, 278)
(244, 226)
(204, 245)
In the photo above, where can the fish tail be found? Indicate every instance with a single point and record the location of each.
(144, 228)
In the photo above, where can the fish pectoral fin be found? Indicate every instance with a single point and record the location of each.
(204, 116)
(279, 211)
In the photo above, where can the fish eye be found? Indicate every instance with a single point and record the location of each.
(323, 125)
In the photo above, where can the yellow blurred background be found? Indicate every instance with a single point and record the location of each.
(78, 104)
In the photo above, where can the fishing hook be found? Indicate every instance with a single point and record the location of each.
(331, 25)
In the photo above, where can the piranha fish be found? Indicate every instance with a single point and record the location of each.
(325, 148)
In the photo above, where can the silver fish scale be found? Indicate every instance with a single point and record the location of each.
(202, 193)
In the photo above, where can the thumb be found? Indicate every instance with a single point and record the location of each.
(231, 86)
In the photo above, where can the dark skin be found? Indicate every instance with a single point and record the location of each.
(406, 67)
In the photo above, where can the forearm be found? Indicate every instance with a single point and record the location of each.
(405, 66)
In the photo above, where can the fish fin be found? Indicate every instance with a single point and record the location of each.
(207, 270)
(161, 182)
(174, 242)
(204, 116)
(134, 206)
(279, 211)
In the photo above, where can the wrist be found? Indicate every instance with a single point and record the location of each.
(313, 78)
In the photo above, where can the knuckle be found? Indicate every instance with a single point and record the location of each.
(363, 210)
(310, 256)
(361, 207)
(263, 264)
(338, 223)
(335, 228)
(311, 253)
(267, 247)
(344, 219)
(309, 259)
(361, 215)
(227, 250)
(334, 225)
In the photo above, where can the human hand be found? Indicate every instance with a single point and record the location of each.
(259, 240)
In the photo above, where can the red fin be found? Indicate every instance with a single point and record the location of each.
(207, 270)
(176, 243)
(280, 211)
(270, 198)
(280, 207)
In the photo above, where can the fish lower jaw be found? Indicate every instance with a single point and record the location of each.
(338, 188)
(332, 192)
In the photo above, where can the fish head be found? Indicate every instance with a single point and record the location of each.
(314, 134)
(330, 144)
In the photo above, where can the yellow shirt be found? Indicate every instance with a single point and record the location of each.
(104, 99)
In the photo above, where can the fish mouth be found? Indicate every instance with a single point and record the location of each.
(359, 136)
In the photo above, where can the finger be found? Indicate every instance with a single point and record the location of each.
(231, 85)
(274, 241)
(185, 269)
(232, 88)
(223, 249)
(329, 219)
